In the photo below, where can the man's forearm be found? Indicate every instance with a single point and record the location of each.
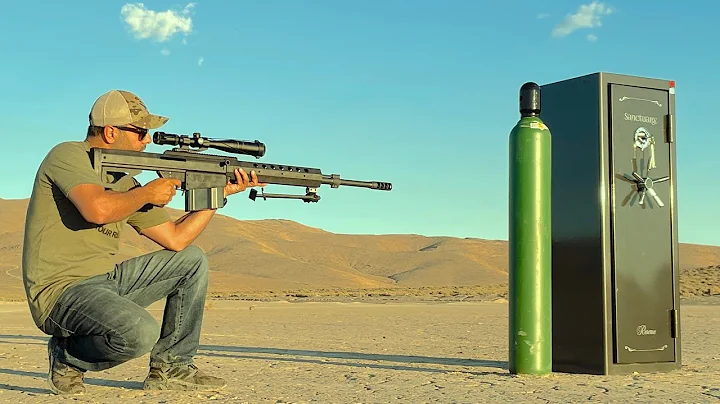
(189, 227)
(116, 206)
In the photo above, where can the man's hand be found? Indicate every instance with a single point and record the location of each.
(160, 191)
(243, 182)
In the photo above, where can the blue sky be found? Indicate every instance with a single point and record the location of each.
(420, 93)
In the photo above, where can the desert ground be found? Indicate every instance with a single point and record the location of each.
(372, 349)
(314, 316)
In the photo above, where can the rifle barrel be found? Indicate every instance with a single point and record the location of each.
(335, 181)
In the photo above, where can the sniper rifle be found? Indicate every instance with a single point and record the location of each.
(204, 176)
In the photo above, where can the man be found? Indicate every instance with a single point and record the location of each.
(94, 309)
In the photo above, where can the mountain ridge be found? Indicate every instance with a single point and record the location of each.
(276, 256)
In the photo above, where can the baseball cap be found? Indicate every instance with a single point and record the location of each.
(119, 107)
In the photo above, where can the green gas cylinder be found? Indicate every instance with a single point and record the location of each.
(530, 249)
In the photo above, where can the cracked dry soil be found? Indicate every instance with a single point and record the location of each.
(364, 352)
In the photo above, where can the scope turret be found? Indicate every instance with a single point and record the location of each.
(255, 148)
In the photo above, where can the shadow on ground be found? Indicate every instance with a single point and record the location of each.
(352, 359)
(43, 376)
(292, 354)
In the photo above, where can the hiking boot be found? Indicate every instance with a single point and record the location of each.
(63, 378)
(181, 377)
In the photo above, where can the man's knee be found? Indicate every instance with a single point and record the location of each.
(195, 255)
(141, 337)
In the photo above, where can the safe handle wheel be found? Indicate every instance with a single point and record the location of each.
(645, 186)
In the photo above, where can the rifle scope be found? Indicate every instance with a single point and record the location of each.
(256, 148)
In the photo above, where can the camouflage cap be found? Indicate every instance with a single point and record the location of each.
(119, 107)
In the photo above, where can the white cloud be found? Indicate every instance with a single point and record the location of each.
(160, 25)
(591, 38)
(543, 15)
(587, 16)
(165, 52)
(201, 60)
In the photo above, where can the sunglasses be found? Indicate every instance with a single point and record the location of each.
(140, 131)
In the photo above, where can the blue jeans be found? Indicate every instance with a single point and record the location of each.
(101, 322)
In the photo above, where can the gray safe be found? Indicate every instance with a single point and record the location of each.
(615, 290)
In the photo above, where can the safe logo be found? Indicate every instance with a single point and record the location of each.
(641, 118)
(643, 330)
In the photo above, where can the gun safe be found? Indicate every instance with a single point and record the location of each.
(615, 291)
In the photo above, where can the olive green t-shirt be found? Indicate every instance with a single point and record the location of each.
(60, 247)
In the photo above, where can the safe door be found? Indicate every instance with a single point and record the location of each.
(641, 217)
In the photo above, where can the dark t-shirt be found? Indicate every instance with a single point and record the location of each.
(60, 247)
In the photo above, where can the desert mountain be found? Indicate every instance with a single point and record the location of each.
(279, 255)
